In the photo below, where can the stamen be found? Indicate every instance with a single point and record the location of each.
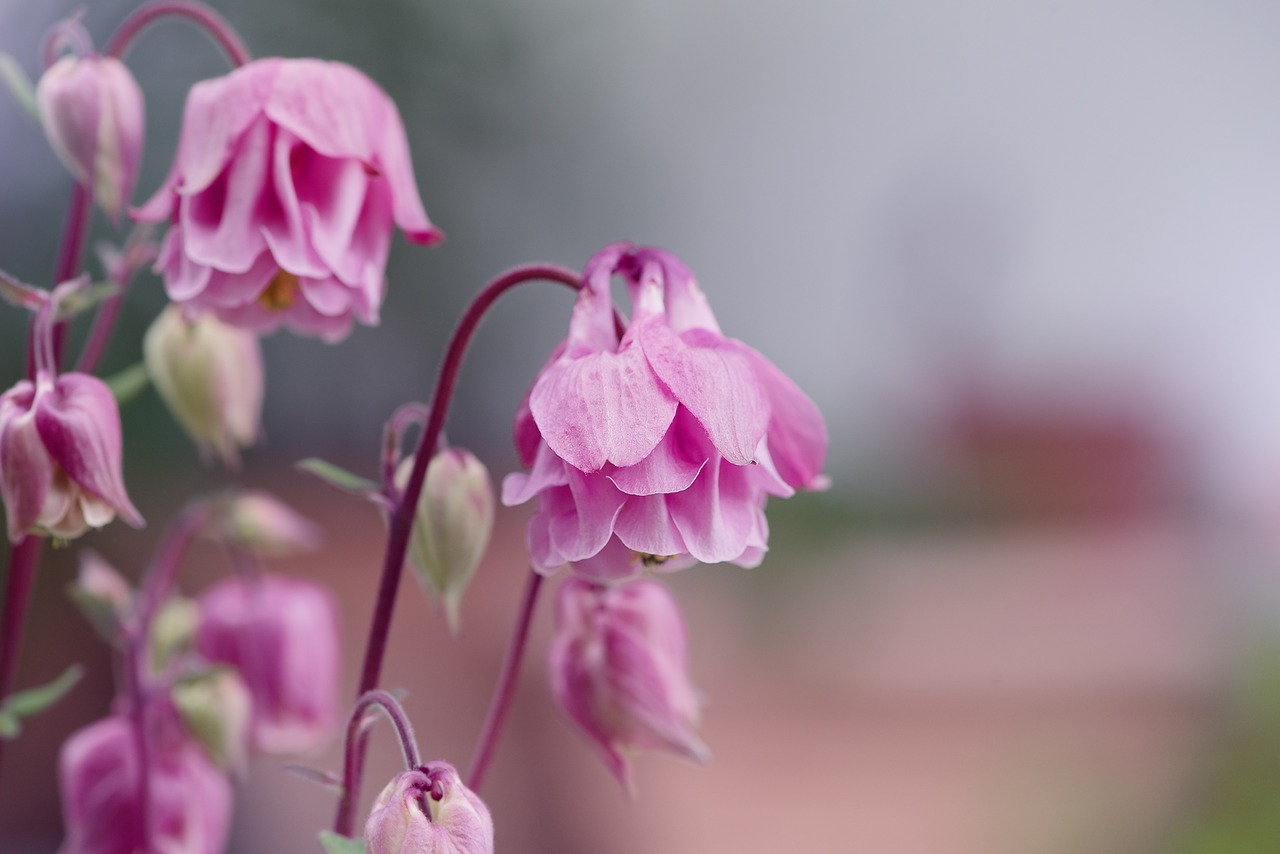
(281, 294)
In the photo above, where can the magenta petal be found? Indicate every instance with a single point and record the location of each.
(235, 289)
(645, 526)
(715, 382)
(604, 407)
(282, 219)
(183, 279)
(25, 467)
(220, 223)
(582, 515)
(667, 469)
(80, 425)
(797, 433)
(717, 515)
(612, 564)
(327, 296)
(548, 471)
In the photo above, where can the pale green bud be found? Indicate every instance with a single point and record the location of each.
(216, 708)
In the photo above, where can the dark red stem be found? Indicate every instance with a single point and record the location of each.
(75, 228)
(406, 507)
(505, 690)
(210, 21)
(24, 558)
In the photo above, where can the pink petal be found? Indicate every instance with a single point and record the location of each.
(26, 470)
(686, 305)
(797, 433)
(327, 296)
(581, 515)
(612, 564)
(591, 327)
(715, 382)
(526, 434)
(80, 425)
(220, 224)
(548, 471)
(671, 467)
(717, 515)
(183, 280)
(331, 194)
(602, 408)
(236, 289)
(645, 526)
(281, 221)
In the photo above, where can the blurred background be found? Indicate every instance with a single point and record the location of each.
(1023, 256)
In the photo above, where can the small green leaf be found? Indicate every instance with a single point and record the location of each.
(16, 79)
(332, 843)
(20, 293)
(129, 383)
(9, 726)
(337, 477)
(32, 701)
(83, 298)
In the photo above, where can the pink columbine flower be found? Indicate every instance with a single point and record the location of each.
(60, 457)
(618, 671)
(92, 112)
(281, 633)
(459, 822)
(658, 447)
(288, 178)
(189, 802)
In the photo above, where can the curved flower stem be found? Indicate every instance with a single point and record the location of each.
(208, 20)
(135, 689)
(23, 560)
(356, 741)
(506, 687)
(162, 574)
(75, 228)
(406, 507)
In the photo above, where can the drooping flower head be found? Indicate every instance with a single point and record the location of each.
(281, 633)
(459, 822)
(659, 446)
(288, 178)
(99, 771)
(60, 457)
(619, 672)
(92, 112)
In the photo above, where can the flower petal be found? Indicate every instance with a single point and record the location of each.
(797, 433)
(718, 514)
(26, 470)
(221, 225)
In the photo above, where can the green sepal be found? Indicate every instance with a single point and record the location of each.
(332, 843)
(128, 383)
(338, 477)
(20, 85)
(33, 701)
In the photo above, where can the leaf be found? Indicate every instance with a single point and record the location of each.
(337, 477)
(32, 701)
(16, 80)
(335, 844)
(326, 779)
(82, 298)
(9, 726)
(129, 383)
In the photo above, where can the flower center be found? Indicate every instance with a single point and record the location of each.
(281, 294)
(653, 560)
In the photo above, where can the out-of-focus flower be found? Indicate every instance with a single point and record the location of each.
(282, 635)
(102, 594)
(459, 821)
(288, 177)
(92, 112)
(453, 524)
(189, 800)
(659, 447)
(210, 376)
(60, 457)
(618, 671)
(216, 708)
(263, 524)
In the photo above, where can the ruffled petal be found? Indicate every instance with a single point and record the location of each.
(548, 471)
(183, 279)
(645, 526)
(717, 515)
(671, 467)
(26, 469)
(715, 382)
(221, 226)
(582, 515)
(797, 432)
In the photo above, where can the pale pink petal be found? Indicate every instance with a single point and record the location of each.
(797, 433)
(26, 470)
(281, 217)
(80, 425)
(548, 471)
(645, 526)
(671, 467)
(612, 564)
(715, 382)
(235, 289)
(526, 434)
(183, 279)
(327, 296)
(581, 525)
(220, 223)
(716, 516)
(591, 327)
(602, 408)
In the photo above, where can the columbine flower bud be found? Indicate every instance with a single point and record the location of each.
(103, 596)
(454, 520)
(282, 635)
(265, 525)
(92, 112)
(99, 775)
(215, 707)
(459, 821)
(210, 376)
(618, 671)
(60, 450)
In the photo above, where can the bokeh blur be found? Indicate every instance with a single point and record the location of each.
(1025, 258)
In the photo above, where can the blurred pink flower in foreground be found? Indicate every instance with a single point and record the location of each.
(288, 177)
(189, 801)
(60, 457)
(618, 670)
(282, 635)
(660, 447)
(92, 112)
(459, 821)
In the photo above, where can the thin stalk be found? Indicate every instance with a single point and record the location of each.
(208, 20)
(75, 228)
(24, 558)
(403, 514)
(505, 690)
(135, 688)
(162, 574)
(100, 333)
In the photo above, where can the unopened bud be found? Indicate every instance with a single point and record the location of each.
(452, 526)
(92, 112)
(265, 525)
(103, 596)
(210, 377)
(173, 630)
(459, 822)
(215, 708)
